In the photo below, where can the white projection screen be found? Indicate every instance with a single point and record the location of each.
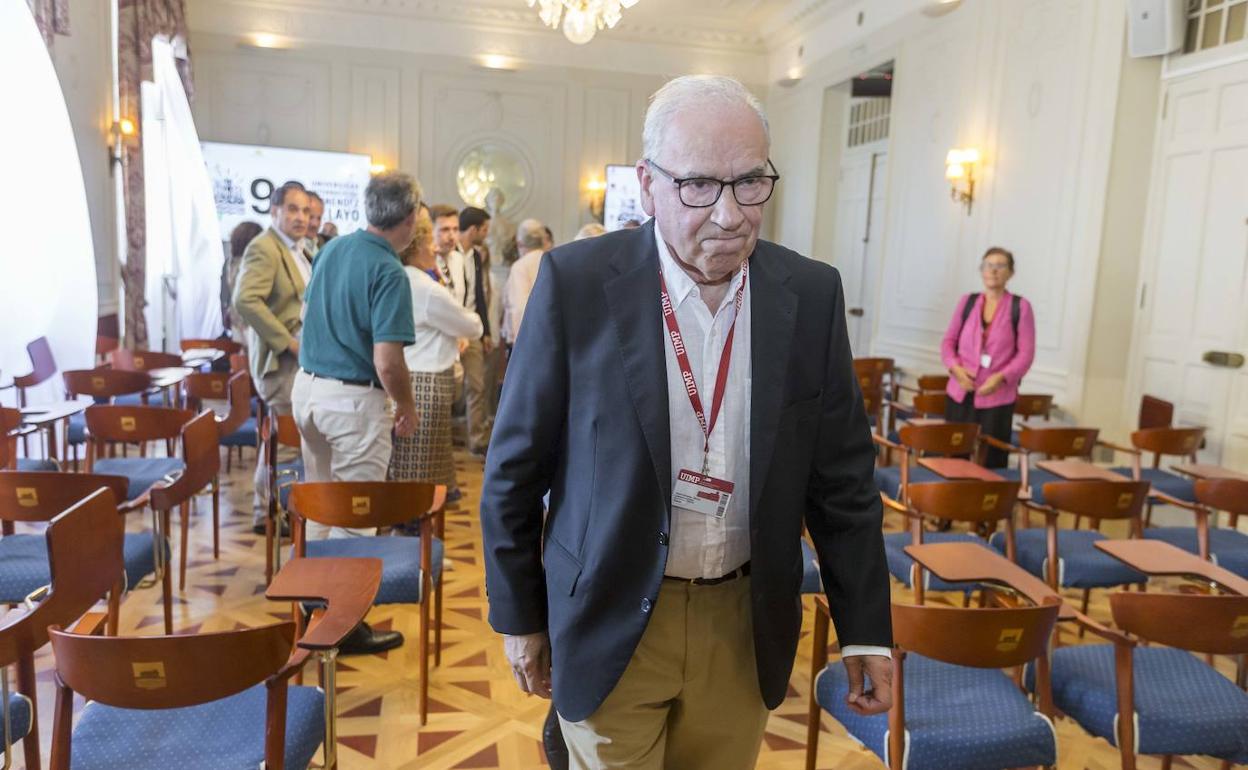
(48, 260)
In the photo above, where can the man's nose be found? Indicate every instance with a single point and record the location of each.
(726, 212)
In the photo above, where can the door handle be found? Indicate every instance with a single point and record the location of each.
(1223, 358)
(858, 312)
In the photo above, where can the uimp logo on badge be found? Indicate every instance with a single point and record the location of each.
(1239, 628)
(990, 502)
(1009, 639)
(27, 497)
(957, 439)
(361, 506)
(149, 675)
(218, 386)
(1124, 501)
(129, 424)
(97, 383)
(1079, 442)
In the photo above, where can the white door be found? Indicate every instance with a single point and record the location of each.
(856, 248)
(1194, 296)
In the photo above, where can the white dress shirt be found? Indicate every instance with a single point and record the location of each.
(700, 545)
(440, 322)
(519, 286)
(296, 251)
(460, 271)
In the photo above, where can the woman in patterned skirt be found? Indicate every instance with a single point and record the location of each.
(441, 322)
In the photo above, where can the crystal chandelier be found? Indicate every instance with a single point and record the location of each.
(581, 18)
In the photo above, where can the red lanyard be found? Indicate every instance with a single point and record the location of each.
(686, 368)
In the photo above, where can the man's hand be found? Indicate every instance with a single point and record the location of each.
(405, 420)
(487, 345)
(462, 344)
(992, 384)
(529, 656)
(964, 378)
(879, 698)
(293, 347)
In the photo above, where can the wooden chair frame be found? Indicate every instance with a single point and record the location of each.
(968, 501)
(955, 439)
(201, 451)
(960, 636)
(143, 360)
(366, 504)
(84, 556)
(233, 388)
(276, 431)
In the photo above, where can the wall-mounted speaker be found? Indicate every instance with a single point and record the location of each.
(1154, 27)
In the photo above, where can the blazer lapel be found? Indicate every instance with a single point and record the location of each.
(773, 315)
(633, 303)
(288, 261)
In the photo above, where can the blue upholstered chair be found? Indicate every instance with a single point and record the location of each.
(946, 439)
(40, 496)
(1225, 546)
(1048, 444)
(973, 502)
(1159, 699)
(927, 404)
(1163, 442)
(411, 571)
(1067, 558)
(104, 386)
(953, 708)
(237, 427)
(111, 425)
(82, 548)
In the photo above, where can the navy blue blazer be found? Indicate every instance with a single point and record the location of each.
(584, 414)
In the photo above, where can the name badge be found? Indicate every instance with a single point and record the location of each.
(985, 360)
(706, 495)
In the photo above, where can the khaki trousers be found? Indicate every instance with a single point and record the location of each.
(689, 698)
(475, 398)
(346, 437)
(274, 390)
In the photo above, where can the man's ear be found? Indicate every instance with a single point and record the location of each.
(645, 178)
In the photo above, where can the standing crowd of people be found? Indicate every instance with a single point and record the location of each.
(370, 340)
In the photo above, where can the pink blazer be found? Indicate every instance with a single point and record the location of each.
(964, 344)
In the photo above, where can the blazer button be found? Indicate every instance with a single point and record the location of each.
(662, 538)
(645, 605)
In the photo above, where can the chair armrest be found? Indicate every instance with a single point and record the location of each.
(1003, 445)
(1168, 500)
(877, 438)
(1105, 632)
(1118, 447)
(91, 624)
(897, 406)
(903, 386)
(892, 504)
(1047, 510)
(346, 586)
(294, 664)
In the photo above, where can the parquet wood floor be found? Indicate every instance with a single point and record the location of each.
(478, 719)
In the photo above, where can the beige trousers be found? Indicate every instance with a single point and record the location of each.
(689, 698)
(346, 437)
(475, 398)
(274, 390)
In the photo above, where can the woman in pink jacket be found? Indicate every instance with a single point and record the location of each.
(988, 348)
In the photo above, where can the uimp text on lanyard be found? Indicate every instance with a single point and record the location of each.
(686, 368)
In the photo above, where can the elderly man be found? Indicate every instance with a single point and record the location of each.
(531, 242)
(268, 295)
(685, 392)
(359, 319)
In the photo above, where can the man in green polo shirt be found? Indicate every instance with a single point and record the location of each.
(357, 320)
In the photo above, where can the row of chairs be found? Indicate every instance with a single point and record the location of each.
(201, 700)
(955, 711)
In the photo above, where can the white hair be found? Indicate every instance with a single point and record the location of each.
(530, 234)
(688, 91)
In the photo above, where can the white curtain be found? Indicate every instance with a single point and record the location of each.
(47, 263)
(184, 256)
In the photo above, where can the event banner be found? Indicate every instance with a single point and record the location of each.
(244, 177)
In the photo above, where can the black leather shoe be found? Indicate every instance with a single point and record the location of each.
(365, 641)
(259, 529)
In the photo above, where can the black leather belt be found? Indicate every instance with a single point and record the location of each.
(739, 572)
(359, 383)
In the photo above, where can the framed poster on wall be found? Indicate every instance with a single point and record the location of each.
(244, 177)
(621, 202)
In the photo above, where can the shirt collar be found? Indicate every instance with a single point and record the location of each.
(292, 245)
(377, 239)
(679, 284)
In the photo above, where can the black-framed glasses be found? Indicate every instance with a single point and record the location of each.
(700, 192)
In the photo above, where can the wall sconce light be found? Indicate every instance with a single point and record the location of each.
(121, 132)
(960, 171)
(597, 190)
(376, 168)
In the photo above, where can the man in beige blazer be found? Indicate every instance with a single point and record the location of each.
(269, 297)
